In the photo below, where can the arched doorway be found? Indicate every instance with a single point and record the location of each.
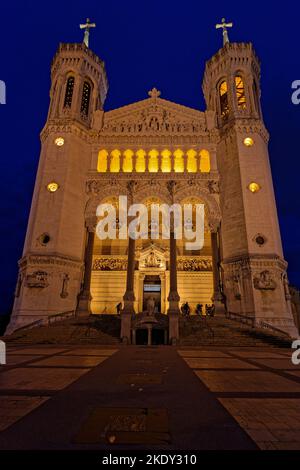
(152, 289)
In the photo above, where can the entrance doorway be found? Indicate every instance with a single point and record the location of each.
(152, 289)
(141, 337)
(158, 336)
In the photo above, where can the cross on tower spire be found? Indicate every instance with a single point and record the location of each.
(224, 26)
(86, 28)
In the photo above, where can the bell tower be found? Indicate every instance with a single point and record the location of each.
(252, 264)
(52, 266)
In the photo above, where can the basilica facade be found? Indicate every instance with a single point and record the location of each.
(154, 151)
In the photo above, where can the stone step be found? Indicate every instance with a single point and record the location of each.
(223, 331)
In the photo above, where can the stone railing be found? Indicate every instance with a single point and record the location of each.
(271, 328)
(60, 316)
(47, 321)
(28, 326)
(250, 321)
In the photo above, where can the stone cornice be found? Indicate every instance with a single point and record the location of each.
(245, 126)
(38, 259)
(138, 141)
(189, 178)
(256, 260)
(66, 126)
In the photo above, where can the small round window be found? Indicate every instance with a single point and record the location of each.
(260, 240)
(45, 239)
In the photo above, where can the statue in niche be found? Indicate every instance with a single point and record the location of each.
(236, 287)
(64, 291)
(152, 261)
(92, 187)
(264, 281)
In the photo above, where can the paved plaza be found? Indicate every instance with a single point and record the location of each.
(92, 397)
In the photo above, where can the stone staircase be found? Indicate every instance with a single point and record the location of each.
(193, 331)
(103, 330)
(221, 331)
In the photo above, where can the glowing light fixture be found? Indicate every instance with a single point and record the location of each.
(52, 187)
(254, 187)
(59, 141)
(248, 142)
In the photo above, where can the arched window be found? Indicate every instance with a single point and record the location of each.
(127, 161)
(140, 163)
(240, 92)
(178, 161)
(153, 161)
(69, 92)
(223, 95)
(85, 101)
(192, 161)
(102, 161)
(115, 161)
(166, 164)
(204, 161)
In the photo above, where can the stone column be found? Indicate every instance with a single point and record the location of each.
(141, 291)
(129, 298)
(85, 297)
(162, 292)
(173, 298)
(217, 295)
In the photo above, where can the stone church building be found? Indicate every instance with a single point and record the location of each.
(154, 151)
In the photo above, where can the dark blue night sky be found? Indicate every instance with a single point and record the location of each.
(144, 44)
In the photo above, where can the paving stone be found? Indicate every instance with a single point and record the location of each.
(12, 408)
(15, 359)
(283, 363)
(91, 351)
(273, 423)
(75, 361)
(246, 381)
(195, 353)
(115, 426)
(140, 379)
(38, 350)
(217, 363)
(38, 378)
(257, 354)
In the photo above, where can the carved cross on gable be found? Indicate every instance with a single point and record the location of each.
(154, 93)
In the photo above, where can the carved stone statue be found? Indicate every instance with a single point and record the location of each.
(37, 279)
(264, 281)
(150, 306)
(64, 291)
(213, 187)
(152, 261)
(110, 264)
